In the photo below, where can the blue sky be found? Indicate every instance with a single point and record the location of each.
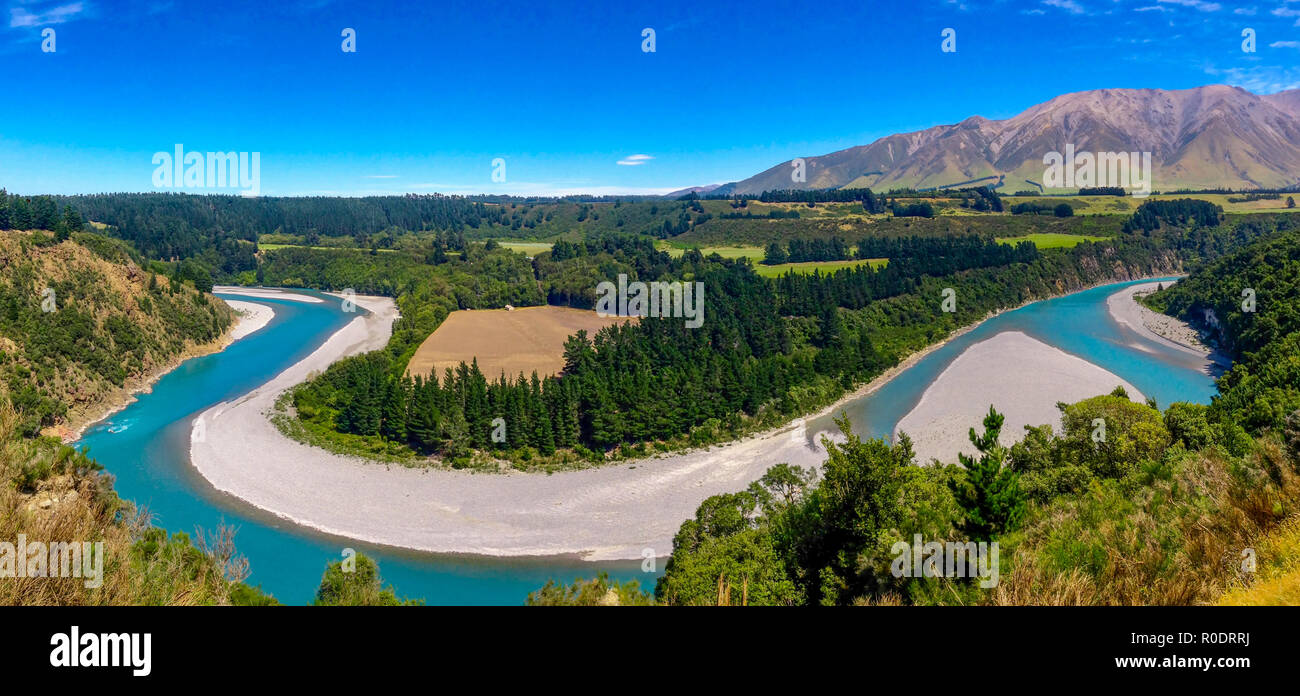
(562, 90)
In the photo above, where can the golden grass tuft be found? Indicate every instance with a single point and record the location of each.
(1277, 577)
(66, 501)
(1177, 541)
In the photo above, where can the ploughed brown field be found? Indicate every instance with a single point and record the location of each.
(511, 341)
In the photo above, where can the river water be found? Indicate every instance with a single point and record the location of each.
(146, 445)
(1079, 324)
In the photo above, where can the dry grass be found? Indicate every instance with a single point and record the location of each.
(50, 494)
(1277, 580)
(524, 340)
(1176, 541)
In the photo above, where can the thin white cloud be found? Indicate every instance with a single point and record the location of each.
(1068, 5)
(381, 176)
(634, 160)
(527, 188)
(1260, 79)
(1200, 5)
(24, 17)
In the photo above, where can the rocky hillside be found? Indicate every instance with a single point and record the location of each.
(81, 329)
(1208, 137)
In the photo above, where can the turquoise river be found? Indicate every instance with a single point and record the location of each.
(146, 445)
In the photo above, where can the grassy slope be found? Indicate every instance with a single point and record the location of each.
(815, 266)
(1278, 571)
(108, 333)
(1051, 240)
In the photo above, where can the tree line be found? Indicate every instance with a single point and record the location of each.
(38, 213)
(789, 345)
(1184, 212)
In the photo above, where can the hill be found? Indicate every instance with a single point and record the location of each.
(1210, 137)
(82, 324)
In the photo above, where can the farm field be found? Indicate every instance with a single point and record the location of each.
(726, 252)
(813, 266)
(528, 248)
(1115, 205)
(512, 341)
(266, 246)
(1051, 240)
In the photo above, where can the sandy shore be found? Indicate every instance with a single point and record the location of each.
(609, 513)
(253, 317)
(1162, 329)
(1022, 377)
(268, 293)
(613, 512)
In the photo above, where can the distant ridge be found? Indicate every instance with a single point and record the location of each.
(1208, 137)
(693, 189)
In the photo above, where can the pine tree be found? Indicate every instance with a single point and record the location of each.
(828, 333)
(422, 422)
(775, 254)
(394, 412)
(990, 494)
(543, 433)
(72, 221)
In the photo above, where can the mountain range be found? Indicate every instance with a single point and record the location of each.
(1211, 137)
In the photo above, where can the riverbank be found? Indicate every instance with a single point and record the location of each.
(253, 317)
(1021, 377)
(609, 513)
(613, 512)
(1163, 329)
(250, 317)
(267, 293)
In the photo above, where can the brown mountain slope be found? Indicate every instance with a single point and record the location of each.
(1208, 137)
(1286, 101)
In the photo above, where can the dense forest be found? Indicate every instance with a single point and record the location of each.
(792, 344)
(871, 202)
(1250, 301)
(38, 213)
(1157, 513)
(1184, 212)
(223, 234)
